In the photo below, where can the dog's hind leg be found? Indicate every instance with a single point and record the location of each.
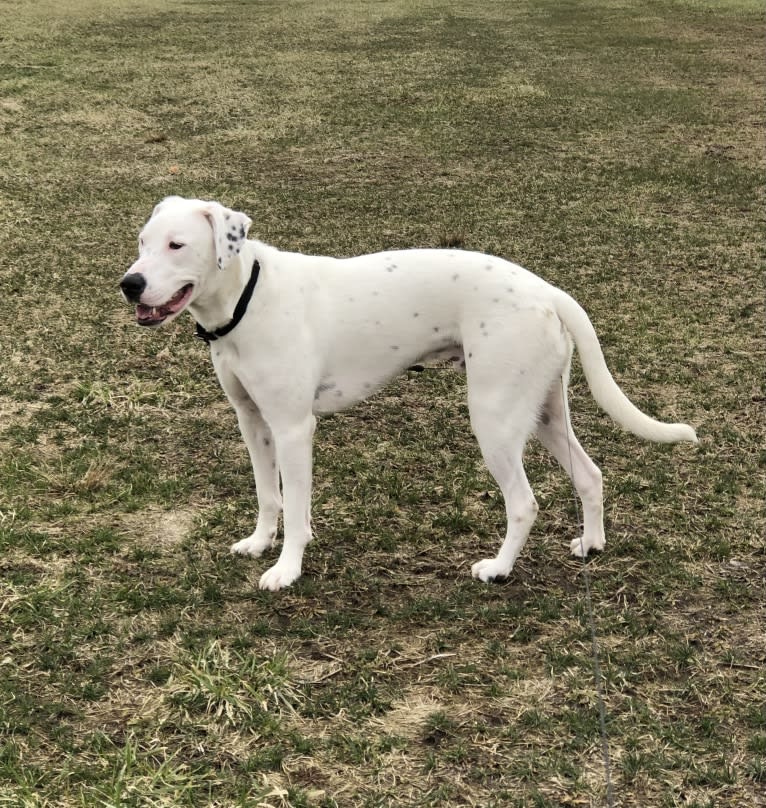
(260, 446)
(554, 429)
(502, 437)
(511, 366)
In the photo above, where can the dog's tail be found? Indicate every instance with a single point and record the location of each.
(604, 388)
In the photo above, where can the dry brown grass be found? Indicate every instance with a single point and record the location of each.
(616, 148)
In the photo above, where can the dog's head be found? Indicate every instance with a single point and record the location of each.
(182, 244)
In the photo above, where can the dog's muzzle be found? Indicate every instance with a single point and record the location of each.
(133, 286)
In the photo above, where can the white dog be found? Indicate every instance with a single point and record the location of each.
(295, 335)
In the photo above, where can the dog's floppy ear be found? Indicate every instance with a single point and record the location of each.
(229, 231)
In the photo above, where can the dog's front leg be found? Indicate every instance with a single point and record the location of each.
(263, 456)
(293, 446)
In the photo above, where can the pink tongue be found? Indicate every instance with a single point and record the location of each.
(165, 310)
(170, 306)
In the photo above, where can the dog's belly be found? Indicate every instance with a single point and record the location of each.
(348, 378)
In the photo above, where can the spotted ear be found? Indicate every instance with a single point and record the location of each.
(229, 231)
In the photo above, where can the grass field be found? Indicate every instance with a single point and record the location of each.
(614, 147)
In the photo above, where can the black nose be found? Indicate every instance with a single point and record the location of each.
(132, 286)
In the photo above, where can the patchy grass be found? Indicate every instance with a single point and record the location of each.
(614, 147)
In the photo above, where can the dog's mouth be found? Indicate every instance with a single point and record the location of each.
(157, 315)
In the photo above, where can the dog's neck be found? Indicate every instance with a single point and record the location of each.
(215, 305)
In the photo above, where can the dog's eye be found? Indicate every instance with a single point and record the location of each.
(174, 245)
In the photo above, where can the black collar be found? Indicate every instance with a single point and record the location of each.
(239, 309)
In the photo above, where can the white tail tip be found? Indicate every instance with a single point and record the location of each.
(685, 432)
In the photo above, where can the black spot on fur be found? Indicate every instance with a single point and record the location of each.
(323, 387)
(436, 329)
(455, 276)
(267, 441)
(545, 418)
(394, 347)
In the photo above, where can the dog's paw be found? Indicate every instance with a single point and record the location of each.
(252, 546)
(490, 569)
(279, 576)
(581, 547)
